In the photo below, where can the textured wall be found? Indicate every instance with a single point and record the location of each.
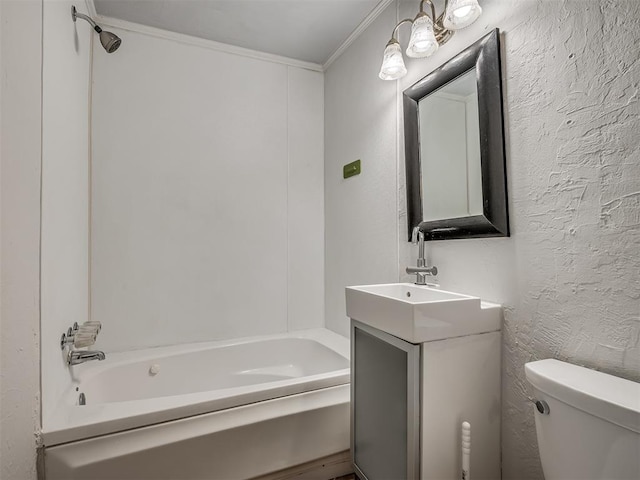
(575, 196)
(576, 206)
(568, 276)
(20, 96)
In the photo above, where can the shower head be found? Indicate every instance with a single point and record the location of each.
(110, 41)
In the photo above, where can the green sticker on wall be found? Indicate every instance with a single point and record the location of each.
(351, 169)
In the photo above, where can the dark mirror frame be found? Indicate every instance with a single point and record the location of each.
(484, 55)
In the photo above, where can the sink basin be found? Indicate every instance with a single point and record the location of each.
(420, 314)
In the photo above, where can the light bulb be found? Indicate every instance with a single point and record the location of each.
(461, 13)
(423, 41)
(392, 62)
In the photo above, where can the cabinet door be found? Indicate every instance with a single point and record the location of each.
(385, 399)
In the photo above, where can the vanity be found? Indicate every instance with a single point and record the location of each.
(423, 361)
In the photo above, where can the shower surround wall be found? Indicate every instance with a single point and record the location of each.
(207, 195)
(65, 189)
(568, 276)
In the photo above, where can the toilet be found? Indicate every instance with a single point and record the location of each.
(587, 422)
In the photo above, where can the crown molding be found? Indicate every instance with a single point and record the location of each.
(368, 20)
(245, 52)
(200, 42)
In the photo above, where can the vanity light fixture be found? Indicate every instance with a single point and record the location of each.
(428, 32)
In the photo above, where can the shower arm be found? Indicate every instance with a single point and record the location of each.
(75, 15)
(110, 41)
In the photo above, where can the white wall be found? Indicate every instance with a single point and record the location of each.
(20, 101)
(361, 214)
(207, 195)
(305, 199)
(568, 276)
(65, 186)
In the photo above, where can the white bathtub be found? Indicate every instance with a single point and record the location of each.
(229, 409)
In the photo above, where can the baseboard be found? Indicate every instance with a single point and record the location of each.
(325, 468)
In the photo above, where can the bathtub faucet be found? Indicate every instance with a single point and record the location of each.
(421, 270)
(76, 357)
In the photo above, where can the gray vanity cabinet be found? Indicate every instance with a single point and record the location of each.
(384, 402)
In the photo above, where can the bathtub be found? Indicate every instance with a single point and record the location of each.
(227, 409)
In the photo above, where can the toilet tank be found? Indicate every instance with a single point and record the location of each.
(592, 428)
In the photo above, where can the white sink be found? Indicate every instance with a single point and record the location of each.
(420, 314)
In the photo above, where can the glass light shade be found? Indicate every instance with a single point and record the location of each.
(461, 13)
(423, 41)
(392, 63)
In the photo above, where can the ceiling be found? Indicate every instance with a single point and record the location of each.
(308, 30)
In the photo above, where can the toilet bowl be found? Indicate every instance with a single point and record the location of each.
(587, 422)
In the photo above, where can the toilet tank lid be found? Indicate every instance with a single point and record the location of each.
(611, 398)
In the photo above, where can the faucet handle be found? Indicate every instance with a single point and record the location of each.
(422, 270)
(81, 340)
(80, 336)
(93, 324)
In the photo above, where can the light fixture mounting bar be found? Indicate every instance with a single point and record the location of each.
(397, 27)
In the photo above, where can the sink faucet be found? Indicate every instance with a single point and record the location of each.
(76, 357)
(421, 270)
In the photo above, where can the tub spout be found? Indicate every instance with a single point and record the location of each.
(76, 357)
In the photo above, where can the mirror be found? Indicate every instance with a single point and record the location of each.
(449, 129)
(454, 147)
